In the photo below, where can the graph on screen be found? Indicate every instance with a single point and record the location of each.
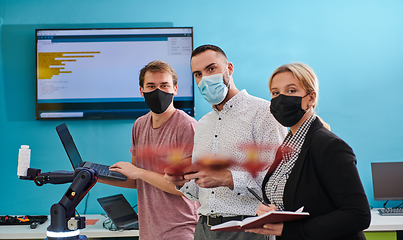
(53, 63)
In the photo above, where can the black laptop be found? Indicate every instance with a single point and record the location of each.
(75, 158)
(120, 212)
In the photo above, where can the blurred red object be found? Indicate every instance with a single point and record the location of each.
(214, 162)
(168, 159)
(254, 163)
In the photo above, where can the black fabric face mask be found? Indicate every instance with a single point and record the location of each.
(158, 101)
(287, 109)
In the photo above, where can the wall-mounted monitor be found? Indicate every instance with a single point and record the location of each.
(93, 73)
(387, 178)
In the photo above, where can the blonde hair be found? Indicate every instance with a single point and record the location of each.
(306, 76)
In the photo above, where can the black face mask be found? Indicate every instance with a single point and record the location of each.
(158, 101)
(287, 109)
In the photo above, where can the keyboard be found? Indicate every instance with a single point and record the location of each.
(391, 211)
(102, 169)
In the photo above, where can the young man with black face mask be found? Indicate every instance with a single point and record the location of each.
(164, 213)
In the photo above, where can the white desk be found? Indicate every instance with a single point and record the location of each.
(384, 223)
(378, 224)
(91, 231)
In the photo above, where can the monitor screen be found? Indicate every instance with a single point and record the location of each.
(93, 73)
(387, 178)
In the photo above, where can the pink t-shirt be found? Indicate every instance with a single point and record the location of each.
(163, 215)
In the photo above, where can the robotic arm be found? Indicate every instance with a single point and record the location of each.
(64, 224)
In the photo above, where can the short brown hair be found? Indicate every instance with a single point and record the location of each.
(158, 66)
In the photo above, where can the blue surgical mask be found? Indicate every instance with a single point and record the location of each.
(213, 88)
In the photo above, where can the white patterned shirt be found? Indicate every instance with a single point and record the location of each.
(244, 120)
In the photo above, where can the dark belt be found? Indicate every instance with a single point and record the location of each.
(214, 220)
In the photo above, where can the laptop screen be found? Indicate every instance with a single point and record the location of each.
(69, 145)
(118, 209)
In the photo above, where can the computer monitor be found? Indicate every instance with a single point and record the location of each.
(93, 73)
(387, 179)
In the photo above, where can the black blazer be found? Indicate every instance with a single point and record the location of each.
(325, 181)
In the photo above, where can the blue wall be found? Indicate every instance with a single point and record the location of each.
(355, 47)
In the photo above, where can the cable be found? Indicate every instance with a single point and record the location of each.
(109, 225)
(86, 203)
(399, 205)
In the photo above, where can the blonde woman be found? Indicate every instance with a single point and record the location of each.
(319, 173)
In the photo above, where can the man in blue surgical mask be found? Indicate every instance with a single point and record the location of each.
(237, 119)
